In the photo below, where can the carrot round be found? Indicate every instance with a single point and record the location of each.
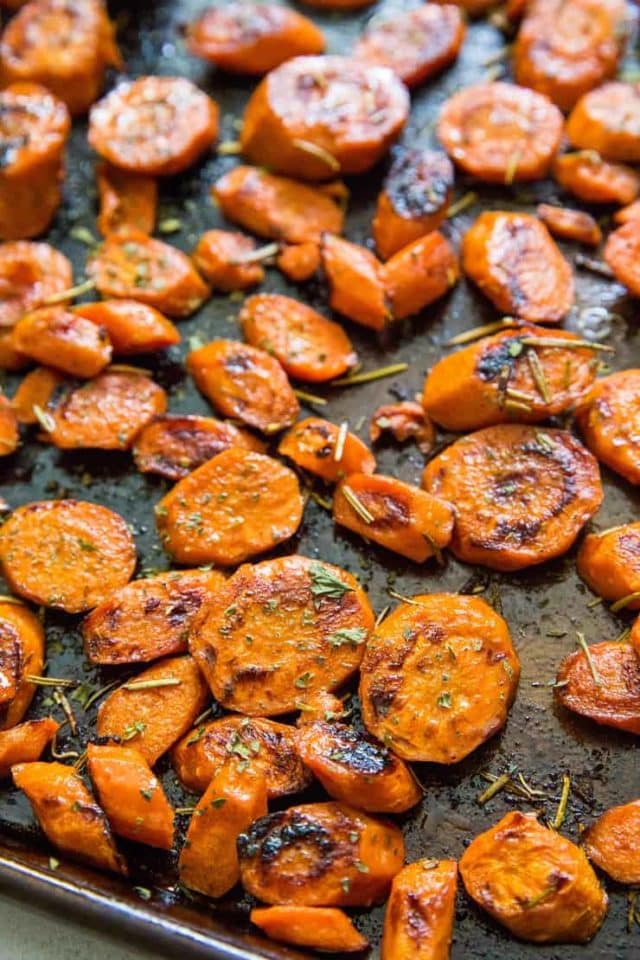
(630, 212)
(406, 420)
(321, 705)
(128, 201)
(570, 224)
(9, 436)
(312, 444)
(613, 842)
(299, 261)
(225, 260)
(10, 358)
(319, 928)
(419, 274)
(419, 915)
(60, 338)
(590, 178)
(132, 327)
(621, 253)
(10, 657)
(25, 742)
(30, 273)
(22, 637)
(610, 563)
(278, 632)
(356, 282)
(604, 120)
(608, 419)
(603, 686)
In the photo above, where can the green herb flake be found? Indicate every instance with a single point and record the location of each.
(353, 636)
(445, 701)
(324, 583)
(143, 892)
(303, 681)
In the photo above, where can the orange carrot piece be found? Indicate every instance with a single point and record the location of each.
(9, 436)
(600, 120)
(613, 842)
(419, 274)
(594, 180)
(356, 283)
(35, 391)
(609, 562)
(621, 253)
(59, 338)
(404, 421)
(10, 358)
(312, 444)
(630, 212)
(603, 686)
(25, 743)
(570, 224)
(17, 623)
(299, 261)
(608, 421)
(128, 201)
(132, 327)
(319, 928)
(419, 915)
(30, 273)
(225, 260)
(10, 657)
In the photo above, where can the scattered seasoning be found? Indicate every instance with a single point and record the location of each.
(218, 802)
(348, 635)
(325, 584)
(65, 706)
(356, 504)
(303, 681)
(198, 735)
(381, 617)
(6, 598)
(45, 420)
(101, 693)
(185, 811)
(340, 441)
(633, 913)
(229, 148)
(512, 166)
(259, 255)
(445, 701)
(400, 596)
(170, 225)
(477, 333)
(319, 152)
(53, 863)
(71, 293)
(146, 794)
(582, 643)
(361, 867)
(498, 784)
(551, 342)
(83, 235)
(463, 203)
(310, 398)
(539, 378)
(593, 265)
(152, 684)
(370, 375)
(345, 883)
(321, 501)
(561, 812)
(133, 730)
(624, 602)
(594, 603)
(50, 681)
(540, 898)
(143, 892)
(624, 636)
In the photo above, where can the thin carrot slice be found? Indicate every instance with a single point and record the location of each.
(148, 619)
(610, 563)
(613, 842)
(10, 656)
(9, 436)
(225, 260)
(419, 274)
(604, 120)
(570, 224)
(156, 709)
(320, 854)
(404, 421)
(10, 358)
(235, 798)
(25, 743)
(518, 266)
(609, 422)
(69, 816)
(621, 253)
(131, 796)
(278, 632)
(299, 261)
(592, 179)
(603, 685)
(308, 346)
(313, 444)
(128, 201)
(17, 623)
(67, 554)
(132, 327)
(30, 273)
(630, 212)
(59, 338)
(233, 507)
(157, 126)
(245, 383)
(422, 899)
(319, 928)
(356, 284)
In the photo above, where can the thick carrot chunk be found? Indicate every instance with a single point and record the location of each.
(319, 928)
(605, 120)
(609, 420)
(570, 224)
(326, 450)
(30, 273)
(419, 274)
(610, 563)
(356, 282)
(132, 327)
(59, 338)
(225, 260)
(622, 253)
(9, 436)
(590, 178)
(418, 920)
(22, 644)
(128, 201)
(613, 842)
(25, 742)
(603, 685)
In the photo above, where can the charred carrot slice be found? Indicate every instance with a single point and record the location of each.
(130, 795)
(422, 898)
(404, 421)
(69, 816)
(291, 124)
(59, 338)
(25, 743)
(20, 631)
(610, 563)
(608, 422)
(603, 685)
(251, 37)
(137, 267)
(67, 554)
(394, 514)
(613, 842)
(320, 854)
(326, 450)
(30, 273)
(308, 346)
(356, 282)
(147, 619)
(298, 624)
(235, 798)
(9, 436)
(245, 383)
(630, 212)
(319, 928)
(128, 201)
(132, 327)
(233, 507)
(533, 881)
(157, 126)
(603, 120)
(226, 260)
(518, 266)
(153, 711)
(264, 745)
(570, 224)
(35, 392)
(594, 180)
(419, 274)
(299, 261)
(621, 253)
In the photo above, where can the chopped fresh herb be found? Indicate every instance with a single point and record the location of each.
(200, 732)
(445, 700)
(143, 892)
(218, 802)
(133, 730)
(303, 681)
(146, 794)
(348, 635)
(361, 867)
(53, 863)
(324, 583)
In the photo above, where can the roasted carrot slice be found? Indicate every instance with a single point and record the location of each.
(592, 179)
(30, 273)
(131, 796)
(68, 554)
(321, 705)
(299, 261)
(404, 421)
(25, 743)
(225, 260)
(394, 514)
(57, 337)
(276, 207)
(34, 127)
(634, 636)
(278, 632)
(608, 422)
(621, 253)
(252, 37)
(603, 120)
(356, 284)
(630, 212)
(10, 656)
(137, 267)
(319, 928)
(245, 383)
(313, 444)
(132, 327)
(419, 274)
(235, 798)
(533, 881)
(570, 224)
(233, 507)
(156, 709)
(502, 377)
(518, 266)
(308, 346)
(320, 854)
(500, 133)
(438, 677)
(148, 619)
(9, 436)
(34, 393)
(127, 201)
(19, 626)
(291, 124)
(157, 126)
(613, 842)
(603, 685)
(419, 915)
(69, 816)
(10, 358)
(515, 9)
(610, 563)
(338, 4)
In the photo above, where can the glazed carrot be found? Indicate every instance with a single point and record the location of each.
(251, 37)
(18, 624)
(338, 4)
(594, 180)
(292, 126)
(603, 686)
(356, 284)
(132, 798)
(157, 710)
(419, 274)
(157, 126)
(299, 261)
(68, 815)
(235, 798)
(264, 745)
(35, 391)
(132, 327)
(419, 916)
(356, 769)
(147, 619)
(416, 44)
(10, 654)
(621, 253)
(603, 120)
(57, 337)
(127, 201)
(312, 444)
(609, 562)
(319, 928)
(9, 436)
(608, 422)
(500, 133)
(634, 636)
(67, 554)
(34, 127)
(533, 881)
(277, 208)
(630, 212)
(394, 514)
(25, 743)
(278, 632)
(225, 260)
(404, 421)
(500, 378)
(233, 507)
(137, 267)
(570, 224)
(30, 273)
(10, 358)
(438, 677)
(245, 383)
(320, 854)
(308, 346)
(515, 9)
(173, 446)
(518, 266)
(613, 842)
(321, 705)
